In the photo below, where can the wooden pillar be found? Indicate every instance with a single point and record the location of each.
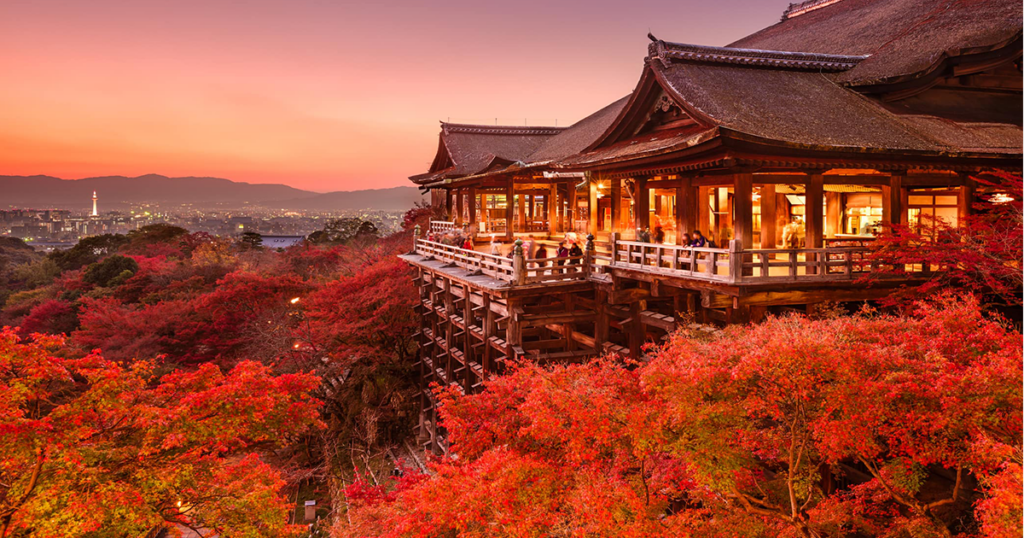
(521, 202)
(601, 325)
(532, 208)
(833, 214)
(471, 199)
(686, 208)
(965, 198)
(460, 206)
(448, 204)
(743, 208)
(615, 192)
(812, 209)
(643, 204)
(703, 210)
(552, 209)
(893, 210)
(592, 206)
(636, 331)
(769, 216)
(814, 201)
(509, 208)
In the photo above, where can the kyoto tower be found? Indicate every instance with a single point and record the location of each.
(94, 212)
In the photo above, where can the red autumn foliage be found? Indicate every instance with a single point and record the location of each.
(981, 254)
(865, 425)
(90, 447)
(51, 317)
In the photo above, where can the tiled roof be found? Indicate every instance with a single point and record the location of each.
(902, 37)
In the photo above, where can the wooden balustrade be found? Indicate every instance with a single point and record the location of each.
(732, 265)
(752, 266)
(532, 270)
(443, 226)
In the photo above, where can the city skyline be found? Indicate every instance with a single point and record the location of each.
(318, 97)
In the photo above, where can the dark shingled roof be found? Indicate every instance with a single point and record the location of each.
(902, 37)
(731, 94)
(578, 135)
(470, 149)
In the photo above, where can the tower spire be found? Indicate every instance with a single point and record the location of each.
(94, 212)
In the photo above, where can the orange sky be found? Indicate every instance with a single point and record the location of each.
(320, 95)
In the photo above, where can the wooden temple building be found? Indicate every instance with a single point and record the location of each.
(788, 148)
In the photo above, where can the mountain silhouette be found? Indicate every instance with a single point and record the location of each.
(121, 193)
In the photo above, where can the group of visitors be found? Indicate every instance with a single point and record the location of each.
(693, 239)
(452, 239)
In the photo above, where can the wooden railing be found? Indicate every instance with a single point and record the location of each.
(711, 264)
(735, 265)
(732, 265)
(442, 226)
(517, 270)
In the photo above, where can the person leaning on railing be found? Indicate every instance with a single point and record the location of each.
(574, 253)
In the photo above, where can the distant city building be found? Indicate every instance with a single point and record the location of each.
(95, 213)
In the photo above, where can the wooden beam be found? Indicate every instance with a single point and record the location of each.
(686, 208)
(460, 207)
(615, 194)
(471, 199)
(592, 205)
(642, 201)
(769, 216)
(892, 200)
(628, 296)
(552, 206)
(813, 210)
(833, 213)
(794, 297)
(743, 224)
(509, 209)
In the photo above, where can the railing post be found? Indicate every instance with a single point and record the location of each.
(518, 264)
(615, 247)
(588, 256)
(735, 260)
(415, 238)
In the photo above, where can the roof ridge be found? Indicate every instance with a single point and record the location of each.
(499, 129)
(799, 8)
(667, 52)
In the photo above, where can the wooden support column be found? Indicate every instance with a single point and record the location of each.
(769, 215)
(813, 215)
(686, 208)
(488, 328)
(743, 202)
(509, 209)
(636, 331)
(471, 199)
(460, 206)
(521, 202)
(642, 204)
(592, 206)
(552, 209)
(812, 210)
(448, 204)
(965, 199)
(601, 325)
(833, 214)
(703, 210)
(893, 210)
(615, 193)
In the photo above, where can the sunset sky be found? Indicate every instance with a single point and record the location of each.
(321, 95)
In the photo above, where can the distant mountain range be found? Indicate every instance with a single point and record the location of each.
(120, 193)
